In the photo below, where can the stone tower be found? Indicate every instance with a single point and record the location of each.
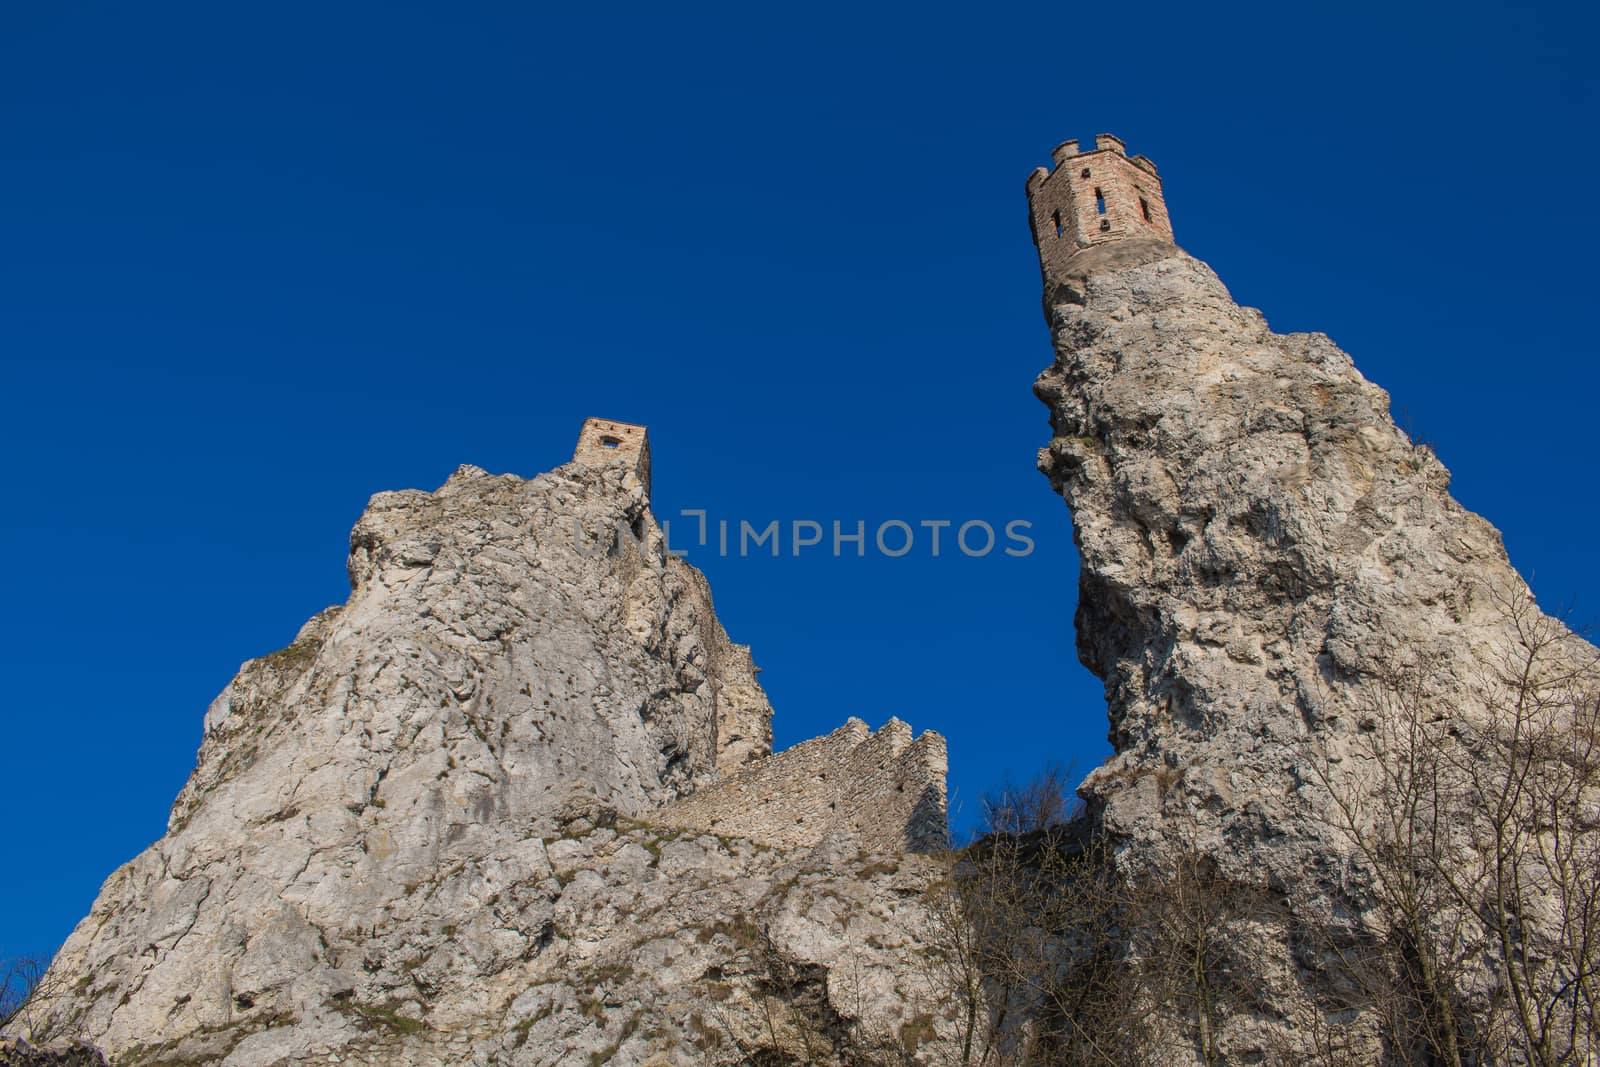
(602, 441)
(1092, 198)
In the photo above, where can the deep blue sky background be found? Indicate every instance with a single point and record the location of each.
(259, 262)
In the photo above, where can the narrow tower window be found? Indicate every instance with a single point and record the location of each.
(1057, 218)
(1144, 206)
(1099, 202)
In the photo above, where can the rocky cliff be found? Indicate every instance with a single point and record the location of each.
(425, 832)
(1275, 580)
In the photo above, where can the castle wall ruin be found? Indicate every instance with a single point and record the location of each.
(885, 790)
(605, 441)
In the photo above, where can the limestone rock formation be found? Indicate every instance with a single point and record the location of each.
(1263, 554)
(424, 832)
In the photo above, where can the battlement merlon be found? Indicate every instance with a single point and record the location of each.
(1092, 198)
(1103, 143)
(606, 441)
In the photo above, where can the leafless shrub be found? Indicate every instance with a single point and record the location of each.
(1052, 954)
(1476, 828)
(27, 989)
(1044, 802)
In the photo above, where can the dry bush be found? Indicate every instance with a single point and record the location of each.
(1044, 802)
(26, 990)
(1475, 829)
(1054, 955)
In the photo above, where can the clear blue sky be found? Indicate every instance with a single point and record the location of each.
(258, 262)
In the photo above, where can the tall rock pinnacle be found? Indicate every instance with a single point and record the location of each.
(1266, 561)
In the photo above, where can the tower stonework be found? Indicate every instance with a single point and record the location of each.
(603, 441)
(1093, 198)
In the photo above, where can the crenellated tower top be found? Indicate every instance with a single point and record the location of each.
(1092, 198)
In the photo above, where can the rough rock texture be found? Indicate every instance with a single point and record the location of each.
(422, 833)
(1261, 546)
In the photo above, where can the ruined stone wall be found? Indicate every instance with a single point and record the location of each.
(1064, 207)
(884, 789)
(604, 441)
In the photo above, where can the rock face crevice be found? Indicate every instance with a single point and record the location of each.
(1263, 551)
(426, 830)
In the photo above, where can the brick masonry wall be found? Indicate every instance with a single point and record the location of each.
(885, 790)
(1068, 193)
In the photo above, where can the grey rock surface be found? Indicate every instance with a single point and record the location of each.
(1262, 548)
(421, 833)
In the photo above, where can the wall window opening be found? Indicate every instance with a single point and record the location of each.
(1144, 209)
(1057, 218)
(611, 442)
(1099, 202)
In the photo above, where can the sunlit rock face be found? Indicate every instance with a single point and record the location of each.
(1265, 556)
(423, 832)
